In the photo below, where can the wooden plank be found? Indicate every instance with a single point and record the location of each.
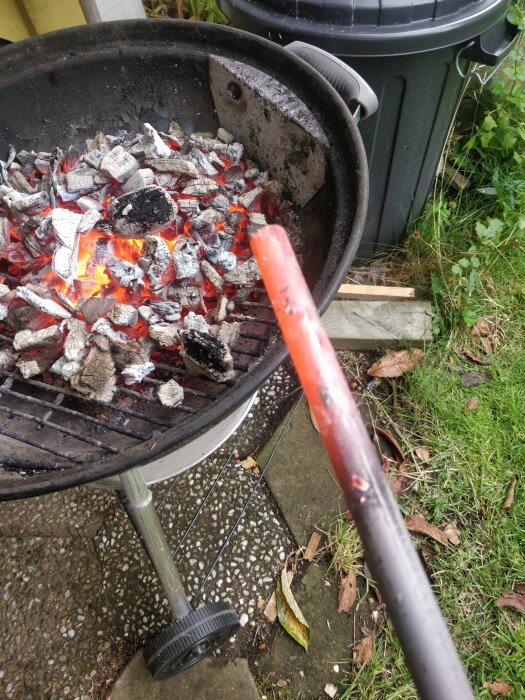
(375, 292)
(367, 325)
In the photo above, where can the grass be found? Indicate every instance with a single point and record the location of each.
(468, 252)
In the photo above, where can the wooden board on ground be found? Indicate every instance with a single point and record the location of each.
(367, 325)
(375, 292)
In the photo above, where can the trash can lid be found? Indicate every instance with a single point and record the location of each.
(368, 27)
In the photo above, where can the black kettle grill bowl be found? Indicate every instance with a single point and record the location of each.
(61, 88)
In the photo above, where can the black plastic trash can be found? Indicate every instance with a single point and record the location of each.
(415, 55)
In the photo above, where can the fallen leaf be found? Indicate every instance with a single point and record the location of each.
(422, 453)
(511, 600)
(399, 483)
(483, 327)
(498, 688)
(391, 439)
(415, 523)
(347, 516)
(364, 651)
(511, 492)
(260, 604)
(347, 592)
(314, 419)
(472, 403)
(249, 463)
(396, 363)
(281, 683)
(330, 690)
(452, 532)
(455, 368)
(486, 345)
(520, 588)
(473, 378)
(311, 547)
(270, 611)
(289, 613)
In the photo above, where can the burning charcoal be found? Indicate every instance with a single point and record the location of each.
(220, 203)
(124, 315)
(189, 206)
(134, 374)
(94, 308)
(226, 332)
(224, 136)
(246, 273)
(233, 222)
(66, 196)
(143, 211)
(71, 158)
(201, 187)
(255, 222)
(119, 164)
(103, 328)
(167, 311)
(166, 335)
(137, 353)
(20, 203)
(185, 258)
(215, 161)
(171, 394)
(251, 198)
(261, 179)
(207, 219)
(63, 300)
(124, 274)
(215, 252)
(86, 203)
(64, 261)
(188, 295)
(176, 131)
(46, 338)
(102, 179)
(174, 165)
(29, 368)
(251, 171)
(4, 290)
(64, 224)
(196, 322)
(26, 157)
(104, 226)
(93, 158)
(47, 306)
(155, 259)
(141, 178)
(104, 249)
(7, 358)
(4, 233)
(211, 274)
(154, 145)
(100, 143)
(42, 166)
(96, 379)
(146, 313)
(81, 180)
(235, 151)
(221, 310)
(88, 221)
(75, 342)
(274, 189)
(203, 164)
(204, 354)
(19, 182)
(68, 368)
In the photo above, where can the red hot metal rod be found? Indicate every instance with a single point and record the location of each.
(429, 652)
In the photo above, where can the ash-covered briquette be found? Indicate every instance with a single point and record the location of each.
(143, 211)
(204, 354)
(96, 379)
(125, 274)
(171, 394)
(155, 259)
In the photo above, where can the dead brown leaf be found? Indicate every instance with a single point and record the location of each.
(472, 403)
(511, 493)
(499, 688)
(314, 420)
(396, 363)
(249, 463)
(364, 650)
(513, 600)
(486, 345)
(473, 378)
(311, 547)
(347, 516)
(270, 611)
(415, 523)
(347, 592)
(452, 532)
(399, 483)
(483, 327)
(393, 442)
(520, 588)
(422, 453)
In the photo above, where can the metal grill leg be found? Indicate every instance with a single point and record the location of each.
(140, 509)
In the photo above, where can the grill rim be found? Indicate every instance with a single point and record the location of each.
(347, 177)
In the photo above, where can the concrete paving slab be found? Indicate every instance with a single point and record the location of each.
(210, 679)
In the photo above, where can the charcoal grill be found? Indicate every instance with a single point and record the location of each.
(59, 89)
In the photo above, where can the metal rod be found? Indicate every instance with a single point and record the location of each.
(429, 651)
(35, 443)
(145, 519)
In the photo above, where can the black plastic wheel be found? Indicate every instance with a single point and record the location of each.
(190, 639)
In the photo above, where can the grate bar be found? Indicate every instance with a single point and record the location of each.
(55, 426)
(57, 402)
(34, 443)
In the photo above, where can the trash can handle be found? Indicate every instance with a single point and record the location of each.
(477, 52)
(355, 91)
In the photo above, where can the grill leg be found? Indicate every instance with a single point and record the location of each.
(140, 509)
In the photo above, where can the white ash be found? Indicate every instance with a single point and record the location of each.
(68, 368)
(75, 342)
(251, 198)
(88, 221)
(104, 328)
(119, 164)
(180, 166)
(5, 237)
(42, 165)
(96, 379)
(44, 338)
(207, 219)
(203, 164)
(26, 157)
(176, 131)
(4, 290)
(125, 274)
(66, 196)
(87, 203)
(274, 189)
(146, 313)
(211, 274)
(227, 332)
(224, 136)
(196, 322)
(19, 203)
(124, 315)
(167, 335)
(142, 211)
(220, 203)
(64, 262)
(104, 250)
(255, 222)
(81, 180)
(189, 295)
(137, 354)
(141, 178)
(154, 146)
(47, 306)
(28, 368)
(155, 259)
(171, 394)
(19, 182)
(201, 187)
(134, 374)
(7, 358)
(246, 273)
(185, 258)
(221, 310)
(64, 224)
(189, 206)
(93, 158)
(215, 161)
(167, 311)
